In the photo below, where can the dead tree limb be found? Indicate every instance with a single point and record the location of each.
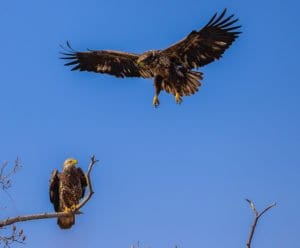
(5, 181)
(89, 183)
(257, 215)
(16, 236)
(39, 216)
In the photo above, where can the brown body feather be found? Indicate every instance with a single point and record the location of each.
(172, 67)
(66, 190)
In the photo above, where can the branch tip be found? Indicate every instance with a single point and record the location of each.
(256, 218)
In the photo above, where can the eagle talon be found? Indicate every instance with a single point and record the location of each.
(155, 101)
(178, 98)
(73, 208)
(67, 210)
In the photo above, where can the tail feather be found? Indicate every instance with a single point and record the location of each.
(191, 83)
(66, 222)
(187, 83)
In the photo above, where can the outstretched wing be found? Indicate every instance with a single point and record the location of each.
(54, 189)
(119, 64)
(83, 180)
(205, 45)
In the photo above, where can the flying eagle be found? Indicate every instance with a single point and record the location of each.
(172, 68)
(66, 189)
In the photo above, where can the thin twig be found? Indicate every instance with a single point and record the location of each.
(13, 220)
(5, 180)
(257, 215)
(16, 236)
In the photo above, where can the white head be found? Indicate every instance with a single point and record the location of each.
(69, 163)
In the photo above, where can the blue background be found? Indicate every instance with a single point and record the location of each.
(173, 175)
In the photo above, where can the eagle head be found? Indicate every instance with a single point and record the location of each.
(69, 163)
(147, 58)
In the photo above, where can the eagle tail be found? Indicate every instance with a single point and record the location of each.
(66, 222)
(187, 83)
(191, 84)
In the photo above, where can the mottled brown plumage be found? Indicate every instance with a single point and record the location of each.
(171, 68)
(66, 189)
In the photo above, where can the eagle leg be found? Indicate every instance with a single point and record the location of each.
(157, 85)
(155, 101)
(178, 98)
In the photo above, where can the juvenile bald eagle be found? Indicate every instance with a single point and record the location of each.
(171, 68)
(66, 189)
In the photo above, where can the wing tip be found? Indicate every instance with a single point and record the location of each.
(67, 50)
(69, 54)
(220, 21)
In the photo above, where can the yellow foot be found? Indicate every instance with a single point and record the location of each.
(155, 101)
(178, 98)
(67, 210)
(73, 208)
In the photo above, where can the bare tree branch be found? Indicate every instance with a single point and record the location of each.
(257, 215)
(89, 183)
(22, 218)
(138, 245)
(5, 180)
(16, 236)
(7, 238)
(13, 220)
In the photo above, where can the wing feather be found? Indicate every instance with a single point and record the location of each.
(54, 189)
(116, 63)
(206, 45)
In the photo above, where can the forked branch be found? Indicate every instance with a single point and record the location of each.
(257, 215)
(13, 220)
(16, 236)
(89, 183)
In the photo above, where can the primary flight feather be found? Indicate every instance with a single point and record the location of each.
(173, 68)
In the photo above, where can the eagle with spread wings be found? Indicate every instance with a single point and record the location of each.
(173, 68)
(65, 191)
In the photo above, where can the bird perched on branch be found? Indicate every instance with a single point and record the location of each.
(172, 68)
(66, 189)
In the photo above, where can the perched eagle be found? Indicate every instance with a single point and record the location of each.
(66, 189)
(171, 68)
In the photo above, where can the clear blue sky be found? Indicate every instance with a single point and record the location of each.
(173, 175)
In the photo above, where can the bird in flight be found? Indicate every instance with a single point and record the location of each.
(173, 68)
